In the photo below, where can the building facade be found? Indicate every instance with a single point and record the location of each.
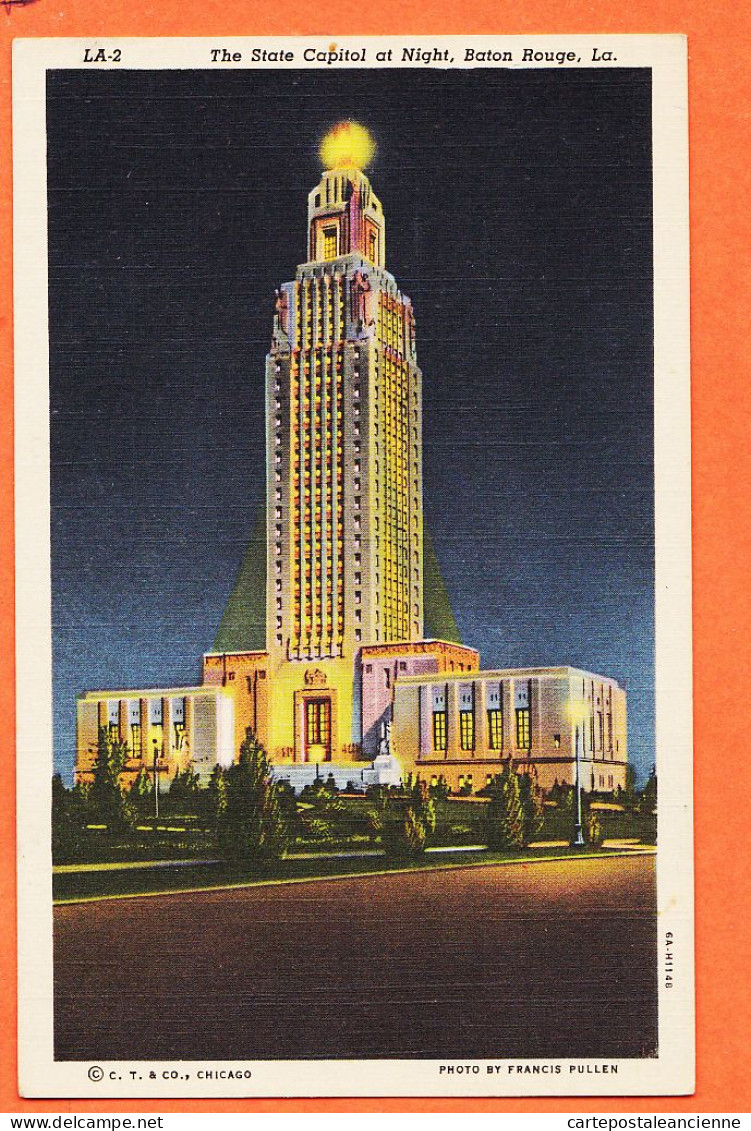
(463, 727)
(346, 675)
(344, 473)
(172, 729)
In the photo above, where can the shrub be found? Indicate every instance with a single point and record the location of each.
(594, 833)
(439, 790)
(533, 811)
(405, 820)
(321, 810)
(184, 793)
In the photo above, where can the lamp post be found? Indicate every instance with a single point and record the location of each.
(156, 779)
(578, 841)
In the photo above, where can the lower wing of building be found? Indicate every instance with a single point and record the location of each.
(425, 703)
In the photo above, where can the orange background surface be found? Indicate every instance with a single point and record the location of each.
(720, 128)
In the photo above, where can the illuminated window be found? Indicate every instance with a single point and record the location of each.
(439, 730)
(523, 728)
(136, 740)
(329, 243)
(495, 728)
(467, 730)
(372, 245)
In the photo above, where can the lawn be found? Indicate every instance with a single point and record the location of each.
(340, 828)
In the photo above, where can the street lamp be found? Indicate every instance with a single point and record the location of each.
(578, 841)
(156, 779)
(577, 713)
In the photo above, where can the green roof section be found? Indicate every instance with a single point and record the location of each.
(438, 616)
(243, 624)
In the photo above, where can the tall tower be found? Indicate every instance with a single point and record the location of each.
(344, 426)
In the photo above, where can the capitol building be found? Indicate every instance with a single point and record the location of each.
(347, 682)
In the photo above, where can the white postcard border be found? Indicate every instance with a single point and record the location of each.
(672, 1071)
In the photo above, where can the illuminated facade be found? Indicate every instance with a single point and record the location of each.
(461, 728)
(172, 728)
(339, 679)
(344, 473)
(343, 440)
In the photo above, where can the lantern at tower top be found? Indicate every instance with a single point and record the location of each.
(344, 215)
(348, 145)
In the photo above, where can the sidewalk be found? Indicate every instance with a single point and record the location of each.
(630, 844)
(131, 865)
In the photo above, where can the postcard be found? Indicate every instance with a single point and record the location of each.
(353, 547)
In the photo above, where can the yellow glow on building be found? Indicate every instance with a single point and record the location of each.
(347, 145)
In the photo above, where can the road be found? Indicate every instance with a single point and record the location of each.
(546, 959)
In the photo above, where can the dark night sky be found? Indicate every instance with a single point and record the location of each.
(518, 208)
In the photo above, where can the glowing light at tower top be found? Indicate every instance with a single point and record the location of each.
(347, 145)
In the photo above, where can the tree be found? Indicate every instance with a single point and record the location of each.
(627, 795)
(215, 799)
(70, 809)
(184, 790)
(252, 828)
(141, 793)
(108, 798)
(648, 798)
(533, 809)
(504, 815)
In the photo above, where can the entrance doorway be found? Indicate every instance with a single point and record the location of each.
(318, 730)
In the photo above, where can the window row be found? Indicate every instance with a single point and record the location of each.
(495, 729)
